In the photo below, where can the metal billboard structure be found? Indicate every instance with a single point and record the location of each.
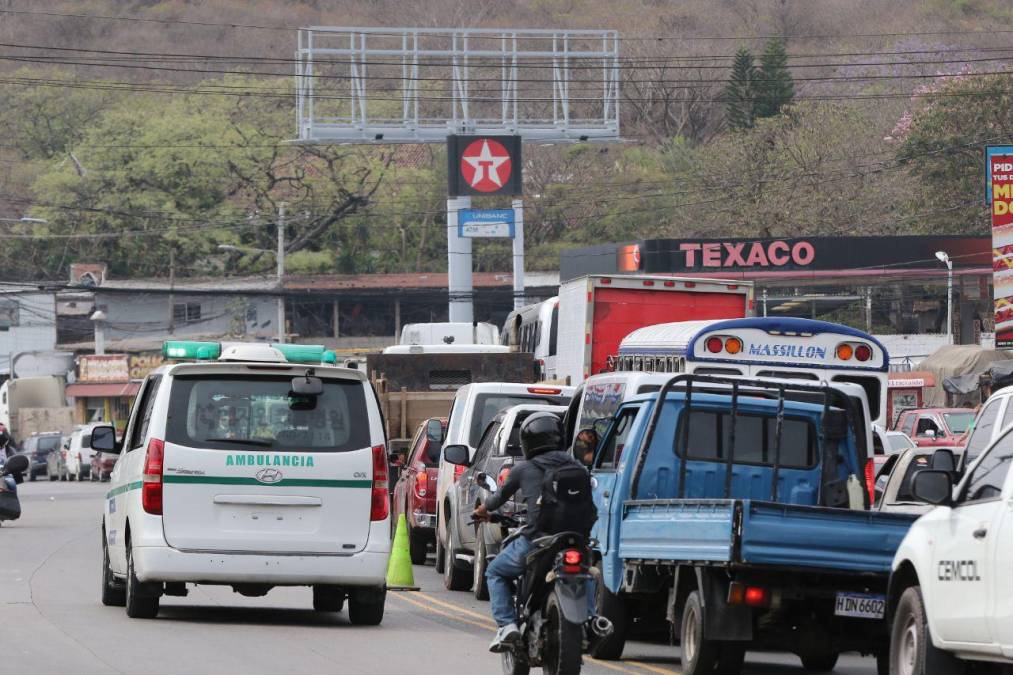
(425, 85)
(419, 85)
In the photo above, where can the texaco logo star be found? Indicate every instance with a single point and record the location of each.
(485, 165)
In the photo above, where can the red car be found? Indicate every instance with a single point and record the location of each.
(932, 427)
(415, 491)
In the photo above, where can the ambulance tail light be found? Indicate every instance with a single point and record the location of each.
(870, 479)
(380, 506)
(151, 481)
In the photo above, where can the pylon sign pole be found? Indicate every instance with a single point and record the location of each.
(480, 166)
(518, 254)
(459, 284)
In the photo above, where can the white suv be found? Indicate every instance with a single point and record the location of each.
(474, 407)
(257, 466)
(80, 452)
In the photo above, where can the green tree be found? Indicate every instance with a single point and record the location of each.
(740, 94)
(775, 87)
(942, 144)
(190, 172)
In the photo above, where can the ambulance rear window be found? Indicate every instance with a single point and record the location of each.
(221, 412)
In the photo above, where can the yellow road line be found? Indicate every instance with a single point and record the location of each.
(485, 622)
(458, 608)
(654, 669)
(483, 626)
(612, 666)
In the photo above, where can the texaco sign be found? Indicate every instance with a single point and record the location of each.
(484, 165)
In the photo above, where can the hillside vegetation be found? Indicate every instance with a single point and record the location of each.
(146, 131)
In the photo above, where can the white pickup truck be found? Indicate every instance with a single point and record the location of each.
(951, 588)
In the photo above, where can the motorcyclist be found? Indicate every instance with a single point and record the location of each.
(541, 440)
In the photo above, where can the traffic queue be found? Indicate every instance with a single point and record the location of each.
(744, 490)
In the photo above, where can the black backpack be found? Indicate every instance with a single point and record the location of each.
(566, 504)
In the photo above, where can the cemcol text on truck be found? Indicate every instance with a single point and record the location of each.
(732, 511)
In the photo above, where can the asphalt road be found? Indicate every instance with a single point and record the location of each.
(51, 619)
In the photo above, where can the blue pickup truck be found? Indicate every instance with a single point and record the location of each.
(733, 516)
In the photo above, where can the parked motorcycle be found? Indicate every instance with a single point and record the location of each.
(551, 601)
(12, 472)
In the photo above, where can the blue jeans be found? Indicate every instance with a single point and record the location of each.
(503, 572)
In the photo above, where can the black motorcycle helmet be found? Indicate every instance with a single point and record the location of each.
(541, 432)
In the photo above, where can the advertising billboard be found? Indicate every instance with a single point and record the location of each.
(999, 192)
(484, 165)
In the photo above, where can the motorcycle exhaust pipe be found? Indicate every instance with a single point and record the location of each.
(601, 627)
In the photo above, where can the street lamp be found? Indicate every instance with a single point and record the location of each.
(944, 258)
(98, 317)
(280, 257)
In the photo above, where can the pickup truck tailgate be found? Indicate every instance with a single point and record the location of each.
(809, 536)
(761, 533)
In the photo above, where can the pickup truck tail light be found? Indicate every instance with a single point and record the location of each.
(421, 483)
(380, 504)
(751, 596)
(151, 481)
(870, 479)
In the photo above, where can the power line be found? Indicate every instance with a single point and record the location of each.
(243, 92)
(206, 224)
(592, 83)
(631, 61)
(645, 38)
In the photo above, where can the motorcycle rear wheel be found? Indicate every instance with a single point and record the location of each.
(514, 666)
(563, 641)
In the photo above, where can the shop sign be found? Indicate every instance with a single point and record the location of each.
(100, 368)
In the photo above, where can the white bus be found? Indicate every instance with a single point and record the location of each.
(785, 348)
(535, 329)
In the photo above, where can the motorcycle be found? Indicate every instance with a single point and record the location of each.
(12, 472)
(550, 601)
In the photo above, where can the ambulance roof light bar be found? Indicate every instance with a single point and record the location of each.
(211, 351)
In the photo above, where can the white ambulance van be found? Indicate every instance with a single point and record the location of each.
(250, 466)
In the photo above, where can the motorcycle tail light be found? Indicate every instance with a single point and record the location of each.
(571, 561)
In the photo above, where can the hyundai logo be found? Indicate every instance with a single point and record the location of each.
(268, 476)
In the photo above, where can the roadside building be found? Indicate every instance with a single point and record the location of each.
(103, 389)
(28, 332)
(885, 285)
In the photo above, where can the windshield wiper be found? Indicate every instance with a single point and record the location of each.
(243, 441)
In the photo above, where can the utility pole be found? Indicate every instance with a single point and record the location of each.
(281, 271)
(172, 286)
(943, 257)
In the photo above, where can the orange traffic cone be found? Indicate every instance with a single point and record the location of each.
(399, 570)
